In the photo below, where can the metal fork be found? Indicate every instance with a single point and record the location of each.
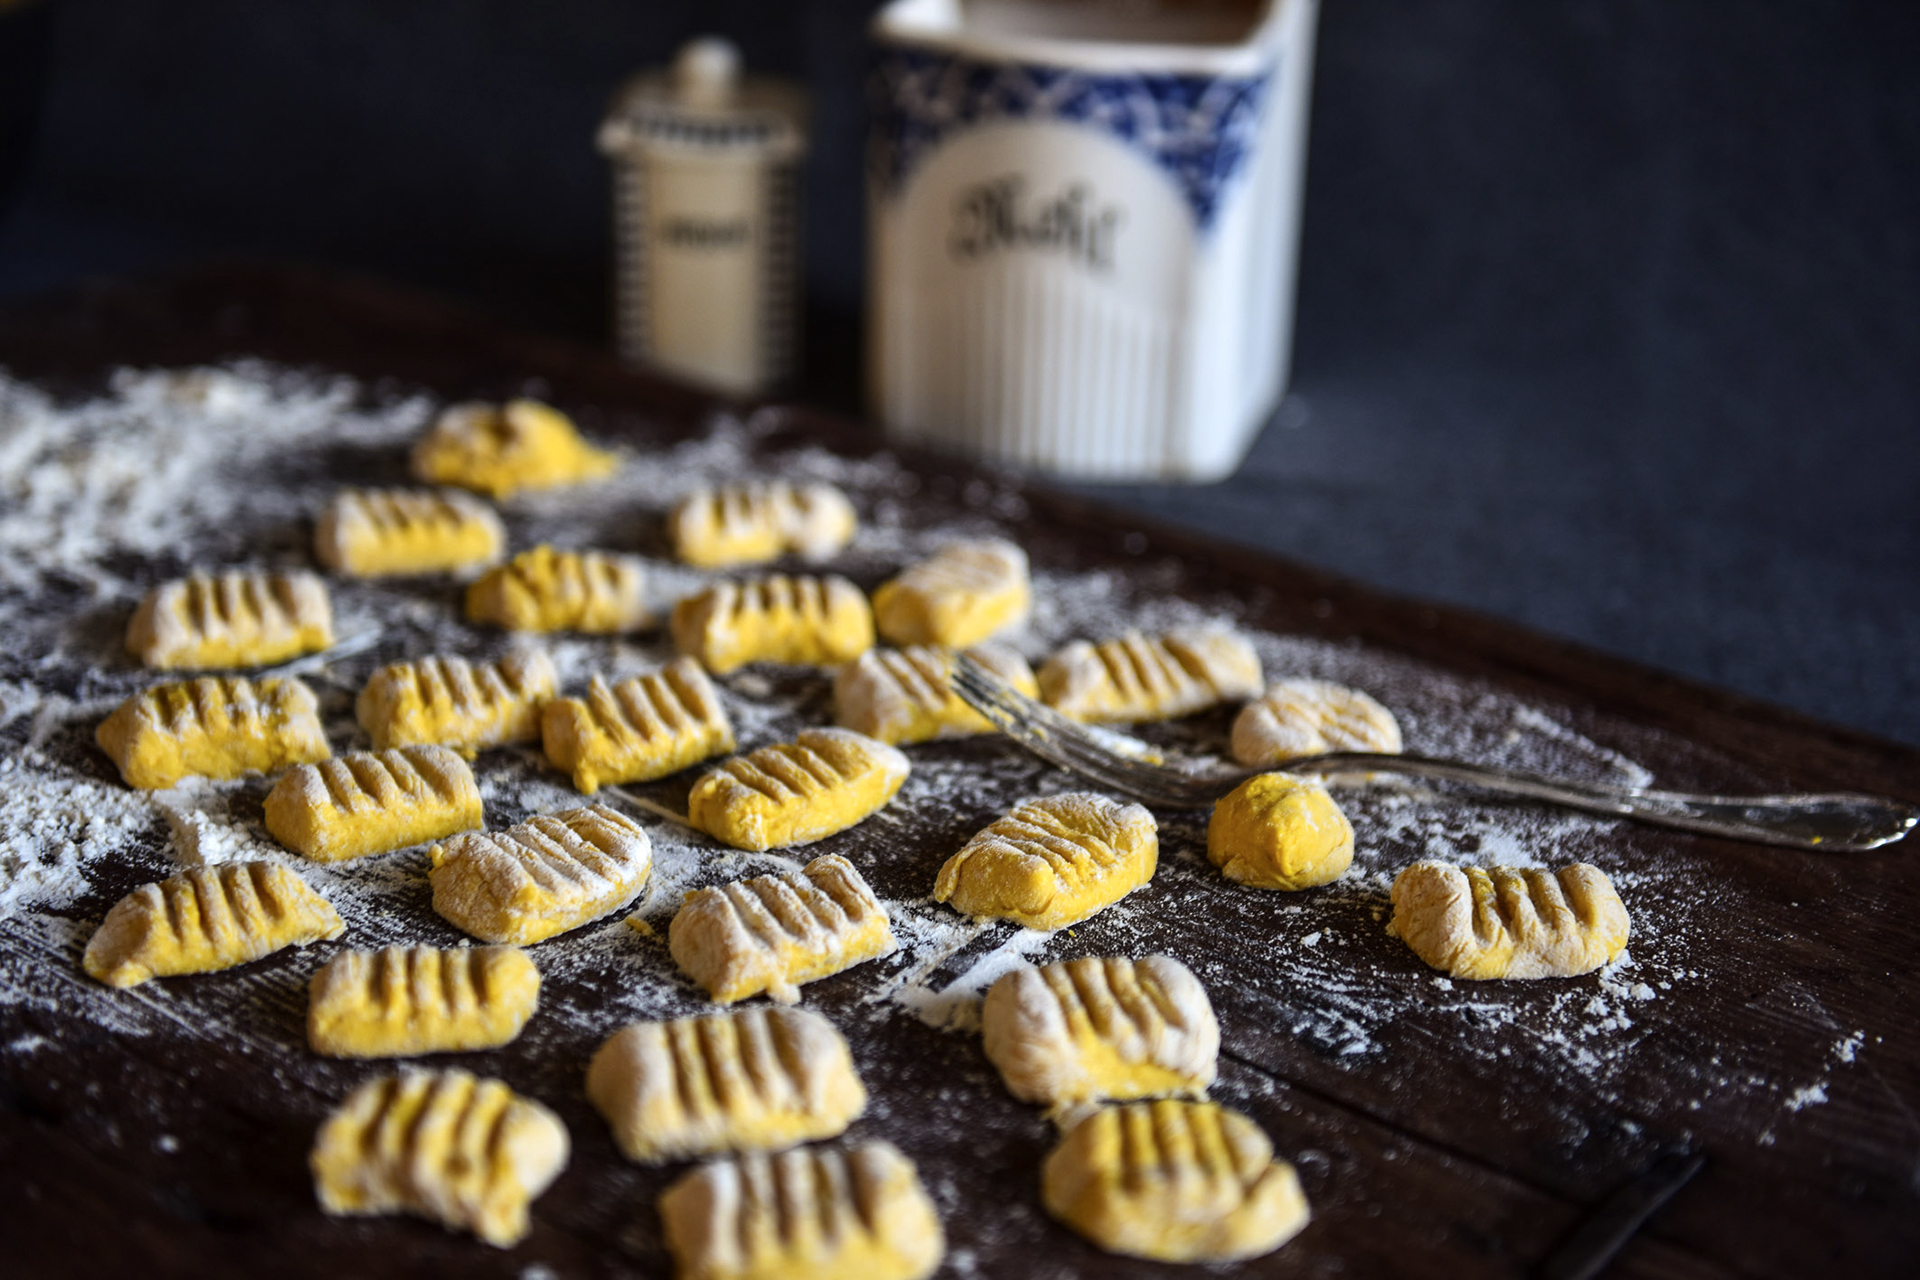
(1830, 821)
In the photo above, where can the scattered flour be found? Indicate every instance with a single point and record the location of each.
(100, 500)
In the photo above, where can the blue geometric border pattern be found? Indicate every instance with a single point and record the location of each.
(1199, 129)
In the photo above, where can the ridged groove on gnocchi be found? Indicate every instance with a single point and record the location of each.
(1083, 1030)
(809, 1214)
(371, 533)
(1176, 1181)
(207, 919)
(776, 618)
(462, 1150)
(775, 933)
(548, 590)
(736, 524)
(644, 727)
(502, 449)
(1052, 862)
(456, 703)
(402, 1001)
(824, 781)
(750, 1080)
(1139, 677)
(1306, 717)
(231, 620)
(906, 695)
(1509, 922)
(213, 727)
(372, 801)
(961, 595)
(547, 875)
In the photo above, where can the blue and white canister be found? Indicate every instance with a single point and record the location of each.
(1084, 223)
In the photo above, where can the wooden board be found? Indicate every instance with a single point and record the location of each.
(1460, 1136)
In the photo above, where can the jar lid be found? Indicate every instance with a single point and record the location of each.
(704, 104)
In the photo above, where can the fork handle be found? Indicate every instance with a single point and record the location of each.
(1839, 821)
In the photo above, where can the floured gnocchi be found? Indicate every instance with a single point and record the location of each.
(1277, 831)
(547, 875)
(205, 920)
(775, 933)
(548, 590)
(755, 1079)
(377, 533)
(373, 801)
(644, 727)
(1083, 1030)
(499, 450)
(817, 1213)
(961, 595)
(805, 620)
(1306, 717)
(1053, 862)
(458, 704)
(401, 1001)
(231, 620)
(905, 695)
(1509, 922)
(212, 727)
(737, 524)
(1176, 1181)
(824, 781)
(1140, 677)
(461, 1150)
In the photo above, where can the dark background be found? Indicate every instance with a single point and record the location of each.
(1609, 312)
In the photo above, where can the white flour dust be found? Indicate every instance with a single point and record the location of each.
(205, 468)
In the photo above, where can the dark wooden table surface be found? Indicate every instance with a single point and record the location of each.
(1792, 1064)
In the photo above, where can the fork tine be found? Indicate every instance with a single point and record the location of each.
(1068, 744)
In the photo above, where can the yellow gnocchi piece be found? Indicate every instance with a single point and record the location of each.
(212, 727)
(645, 727)
(458, 1149)
(775, 933)
(501, 449)
(205, 920)
(740, 524)
(964, 593)
(1141, 677)
(1307, 717)
(231, 620)
(373, 801)
(1175, 1181)
(824, 781)
(814, 1214)
(755, 1079)
(402, 1001)
(545, 876)
(1277, 831)
(806, 620)
(548, 590)
(1053, 862)
(376, 533)
(904, 695)
(456, 703)
(1084, 1030)
(1509, 922)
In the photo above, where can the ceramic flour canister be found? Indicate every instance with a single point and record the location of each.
(706, 220)
(1084, 220)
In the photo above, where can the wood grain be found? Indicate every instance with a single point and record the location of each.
(1419, 1160)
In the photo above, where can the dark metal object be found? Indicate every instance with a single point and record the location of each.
(1605, 1231)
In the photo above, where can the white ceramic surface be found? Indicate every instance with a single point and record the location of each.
(1083, 229)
